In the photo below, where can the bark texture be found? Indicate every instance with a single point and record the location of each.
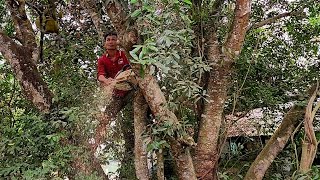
(152, 93)
(157, 104)
(222, 60)
(160, 165)
(23, 56)
(275, 144)
(140, 153)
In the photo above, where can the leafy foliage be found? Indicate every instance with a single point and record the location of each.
(168, 38)
(277, 64)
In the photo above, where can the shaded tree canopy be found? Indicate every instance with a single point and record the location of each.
(196, 63)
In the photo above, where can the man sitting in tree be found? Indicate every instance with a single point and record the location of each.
(112, 63)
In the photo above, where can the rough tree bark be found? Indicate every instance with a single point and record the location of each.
(179, 147)
(275, 144)
(222, 60)
(153, 94)
(26, 72)
(140, 117)
(23, 56)
(160, 165)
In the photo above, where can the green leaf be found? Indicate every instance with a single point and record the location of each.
(187, 2)
(136, 13)
(143, 52)
(133, 1)
(148, 8)
(134, 56)
(153, 48)
(176, 55)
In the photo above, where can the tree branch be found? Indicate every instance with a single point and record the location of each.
(22, 24)
(140, 108)
(276, 143)
(238, 30)
(26, 72)
(274, 19)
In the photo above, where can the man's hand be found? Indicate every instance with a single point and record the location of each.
(109, 81)
(105, 81)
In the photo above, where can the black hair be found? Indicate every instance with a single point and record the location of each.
(110, 33)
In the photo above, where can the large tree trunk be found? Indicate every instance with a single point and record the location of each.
(179, 147)
(207, 150)
(207, 153)
(26, 72)
(275, 144)
(140, 153)
(23, 57)
(153, 94)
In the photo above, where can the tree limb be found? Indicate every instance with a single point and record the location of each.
(309, 143)
(5, 50)
(276, 143)
(22, 24)
(238, 30)
(274, 19)
(26, 72)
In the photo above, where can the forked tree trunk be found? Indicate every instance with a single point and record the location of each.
(179, 147)
(276, 143)
(153, 95)
(140, 153)
(223, 59)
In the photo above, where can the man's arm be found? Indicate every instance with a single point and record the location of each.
(102, 73)
(104, 80)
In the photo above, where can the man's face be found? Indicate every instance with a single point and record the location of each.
(111, 42)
